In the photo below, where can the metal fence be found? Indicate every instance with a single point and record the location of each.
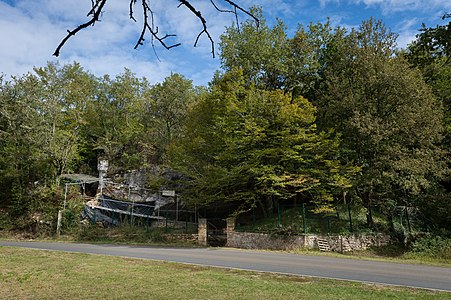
(345, 218)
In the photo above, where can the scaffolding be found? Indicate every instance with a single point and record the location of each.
(114, 212)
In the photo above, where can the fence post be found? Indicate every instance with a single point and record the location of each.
(350, 218)
(166, 222)
(186, 221)
(407, 219)
(303, 218)
(278, 215)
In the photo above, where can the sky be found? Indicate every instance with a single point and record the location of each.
(30, 31)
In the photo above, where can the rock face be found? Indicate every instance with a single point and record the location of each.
(132, 188)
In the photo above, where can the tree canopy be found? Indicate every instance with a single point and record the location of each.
(324, 116)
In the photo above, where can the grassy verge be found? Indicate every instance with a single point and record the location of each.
(36, 274)
(119, 235)
(388, 253)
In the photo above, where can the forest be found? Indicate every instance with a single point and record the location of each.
(329, 115)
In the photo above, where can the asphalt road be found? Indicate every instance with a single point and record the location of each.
(419, 276)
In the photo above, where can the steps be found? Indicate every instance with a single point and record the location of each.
(323, 245)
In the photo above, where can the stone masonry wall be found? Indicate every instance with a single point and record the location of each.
(337, 243)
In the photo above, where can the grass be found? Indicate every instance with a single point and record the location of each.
(37, 274)
(289, 220)
(129, 235)
(390, 253)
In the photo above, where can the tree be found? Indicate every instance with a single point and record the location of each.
(22, 161)
(246, 146)
(261, 52)
(166, 107)
(389, 120)
(113, 123)
(66, 92)
(271, 60)
(431, 53)
(149, 26)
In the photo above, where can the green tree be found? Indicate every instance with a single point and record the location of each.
(260, 51)
(22, 161)
(431, 53)
(66, 92)
(247, 146)
(166, 107)
(113, 123)
(389, 120)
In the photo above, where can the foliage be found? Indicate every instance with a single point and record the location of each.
(62, 119)
(325, 116)
(389, 120)
(166, 107)
(258, 50)
(243, 145)
(435, 247)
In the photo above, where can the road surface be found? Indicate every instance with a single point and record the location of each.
(419, 276)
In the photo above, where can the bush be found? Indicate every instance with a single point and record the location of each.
(125, 234)
(436, 247)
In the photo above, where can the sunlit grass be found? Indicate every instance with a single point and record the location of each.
(37, 274)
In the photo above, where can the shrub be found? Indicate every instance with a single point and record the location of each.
(433, 246)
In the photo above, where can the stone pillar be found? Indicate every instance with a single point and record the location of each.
(202, 232)
(230, 230)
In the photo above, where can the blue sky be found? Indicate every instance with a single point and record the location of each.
(30, 30)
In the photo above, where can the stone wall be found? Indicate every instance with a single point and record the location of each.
(338, 243)
(250, 240)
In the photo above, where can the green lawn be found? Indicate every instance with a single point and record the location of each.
(36, 274)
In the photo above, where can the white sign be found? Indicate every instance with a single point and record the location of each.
(168, 193)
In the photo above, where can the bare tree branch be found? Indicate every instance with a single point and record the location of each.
(97, 7)
(132, 2)
(95, 12)
(236, 6)
(198, 14)
(220, 10)
(152, 29)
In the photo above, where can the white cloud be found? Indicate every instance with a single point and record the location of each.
(324, 3)
(394, 6)
(31, 30)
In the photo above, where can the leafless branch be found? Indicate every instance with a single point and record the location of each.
(237, 7)
(95, 12)
(132, 3)
(97, 7)
(198, 14)
(220, 10)
(152, 29)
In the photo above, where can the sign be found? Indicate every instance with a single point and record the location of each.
(168, 193)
